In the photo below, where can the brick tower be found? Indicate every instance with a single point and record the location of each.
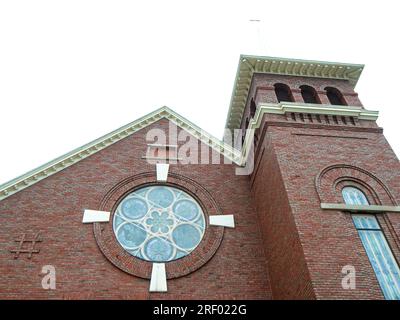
(160, 209)
(326, 183)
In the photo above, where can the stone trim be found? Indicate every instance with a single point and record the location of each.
(9, 188)
(248, 65)
(113, 251)
(359, 208)
(322, 109)
(236, 156)
(282, 108)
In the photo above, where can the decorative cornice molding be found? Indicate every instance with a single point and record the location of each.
(323, 109)
(248, 65)
(239, 157)
(9, 188)
(282, 108)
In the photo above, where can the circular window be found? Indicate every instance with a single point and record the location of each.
(159, 223)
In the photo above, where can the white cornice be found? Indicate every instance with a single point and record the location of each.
(56, 165)
(350, 111)
(237, 156)
(248, 65)
(306, 108)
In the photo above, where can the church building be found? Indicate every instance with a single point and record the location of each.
(298, 200)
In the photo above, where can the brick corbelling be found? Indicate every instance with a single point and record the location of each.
(281, 123)
(313, 129)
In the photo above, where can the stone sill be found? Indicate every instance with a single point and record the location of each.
(359, 208)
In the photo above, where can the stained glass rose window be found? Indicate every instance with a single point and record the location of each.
(159, 223)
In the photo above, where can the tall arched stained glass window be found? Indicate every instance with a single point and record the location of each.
(353, 195)
(379, 253)
(159, 223)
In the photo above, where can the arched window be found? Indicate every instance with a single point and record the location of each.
(375, 244)
(283, 93)
(335, 96)
(309, 94)
(353, 195)
(253, 108)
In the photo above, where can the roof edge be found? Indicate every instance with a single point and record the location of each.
(33, 176)
(250, 64)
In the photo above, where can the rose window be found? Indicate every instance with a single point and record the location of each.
(159, 223)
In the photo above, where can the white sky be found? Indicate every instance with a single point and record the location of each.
(71, 71)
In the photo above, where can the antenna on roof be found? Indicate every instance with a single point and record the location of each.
(257, 24)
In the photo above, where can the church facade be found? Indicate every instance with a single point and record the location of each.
(300, 200)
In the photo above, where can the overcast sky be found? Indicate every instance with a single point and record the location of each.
(71, 71)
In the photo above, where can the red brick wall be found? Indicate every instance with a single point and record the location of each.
(283, 247)
(287, 202)
(286, 264)
(262, 90)
(54, 206)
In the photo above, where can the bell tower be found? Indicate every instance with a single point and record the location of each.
(313, 140)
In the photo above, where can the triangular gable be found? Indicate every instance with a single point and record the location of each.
(70, 158)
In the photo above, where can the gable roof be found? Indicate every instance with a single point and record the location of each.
(248, 65)
(9, 188)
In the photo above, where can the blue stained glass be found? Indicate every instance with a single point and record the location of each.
(186, 209)
(131, 235)
(180, 254)
(186, 236)
(158, 249)
(134, 208)
(383, 262)
(379, 254)
(117, 221)
(200, 222)
(365, 222)
(161, 196)
(376, 246)
(353, 195)
(159, 223)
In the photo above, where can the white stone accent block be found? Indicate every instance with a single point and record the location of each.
(158, 282)
(90, 216)
(226, 220)
(162, 171)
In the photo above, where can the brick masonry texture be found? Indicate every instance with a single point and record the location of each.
(284, 245)
(318, 243)
(306, 247)
(262, 90)
(122, 259)
(54, 206)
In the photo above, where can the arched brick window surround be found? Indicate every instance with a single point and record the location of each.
(110, 247)
(253, 108)
(332, 179)
(283, 92)
(335, 96)
(309, 94)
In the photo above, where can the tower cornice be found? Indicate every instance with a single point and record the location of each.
(248, 65)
